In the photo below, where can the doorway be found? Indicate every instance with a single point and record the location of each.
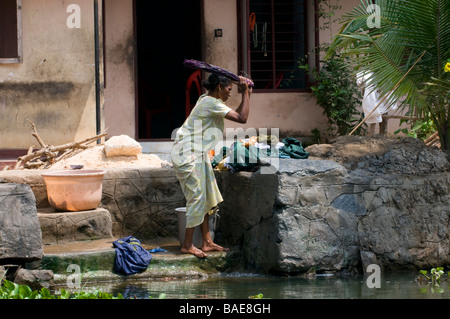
(167, 33)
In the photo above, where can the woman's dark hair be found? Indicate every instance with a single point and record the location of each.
(214, 80)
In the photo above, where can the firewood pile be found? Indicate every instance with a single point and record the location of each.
(48, 155)
(433, 140)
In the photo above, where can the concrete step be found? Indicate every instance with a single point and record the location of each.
(95, 260)
(84, 241)
(68, 227)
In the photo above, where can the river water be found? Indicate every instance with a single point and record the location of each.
(397, 285)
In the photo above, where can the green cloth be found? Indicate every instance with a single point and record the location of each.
(293, 148)
(243, 158)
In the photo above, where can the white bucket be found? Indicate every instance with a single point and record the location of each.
(197, 239)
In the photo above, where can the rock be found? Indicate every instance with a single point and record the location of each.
(122, 145)
(35, 279)
(142, 201)
(20, 231)
(59, 227)
(368, 258)
(31, 177)
(353, 203)
(2, 274)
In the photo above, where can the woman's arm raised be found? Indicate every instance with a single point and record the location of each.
(241, 113)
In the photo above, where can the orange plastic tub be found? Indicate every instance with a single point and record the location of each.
(73, 191)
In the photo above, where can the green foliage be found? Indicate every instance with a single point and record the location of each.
(407, 53)
(435, 275)
(10, 290)
(338, 94)
(419, 129)
(327, 12)
(433, 280)
(258, 296)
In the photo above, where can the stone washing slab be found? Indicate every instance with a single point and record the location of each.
(66, 227)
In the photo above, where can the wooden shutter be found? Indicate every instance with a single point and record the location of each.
(10, 31)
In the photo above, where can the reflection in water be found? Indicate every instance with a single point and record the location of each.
(240, 286)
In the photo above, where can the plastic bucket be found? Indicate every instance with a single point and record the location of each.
(197, 239)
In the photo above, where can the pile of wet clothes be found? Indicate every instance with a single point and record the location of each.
(249, 154)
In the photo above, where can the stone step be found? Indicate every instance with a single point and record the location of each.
(67, 227)
(95, 260)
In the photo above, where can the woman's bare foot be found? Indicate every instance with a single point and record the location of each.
(211, 246)
(193, 251)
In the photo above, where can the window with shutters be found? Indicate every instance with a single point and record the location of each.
(10, 31)
(274, 40)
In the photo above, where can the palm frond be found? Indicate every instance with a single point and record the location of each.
(408, 29)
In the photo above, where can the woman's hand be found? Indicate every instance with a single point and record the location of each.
(244, 84)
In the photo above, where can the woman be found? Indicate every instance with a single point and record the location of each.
(201, 131)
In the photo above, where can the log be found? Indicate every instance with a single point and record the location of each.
(48, 155)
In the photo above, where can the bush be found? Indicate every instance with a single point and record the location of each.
(338, 94)
(10, 290)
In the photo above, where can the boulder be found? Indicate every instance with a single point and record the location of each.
(142, 201)
(65, 227)
(373, 201)
(35, 279)
(122, 145)
(20, 231)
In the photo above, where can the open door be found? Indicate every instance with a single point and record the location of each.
(167, 32)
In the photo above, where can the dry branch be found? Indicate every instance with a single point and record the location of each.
(49, 155)
(36, 135)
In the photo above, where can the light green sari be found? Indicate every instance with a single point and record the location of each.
(199, 134)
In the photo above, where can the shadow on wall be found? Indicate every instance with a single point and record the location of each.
(56, 108)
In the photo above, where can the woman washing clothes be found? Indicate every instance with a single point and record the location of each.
(199, 134)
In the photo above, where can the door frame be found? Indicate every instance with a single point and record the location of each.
(144, 141)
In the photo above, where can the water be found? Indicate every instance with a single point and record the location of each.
(240, 286)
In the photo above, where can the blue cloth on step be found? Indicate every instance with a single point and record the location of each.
(131, 257)
(157, 250)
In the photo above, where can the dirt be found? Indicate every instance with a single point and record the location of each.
(347, 149)
(95, 158)
(382, 154)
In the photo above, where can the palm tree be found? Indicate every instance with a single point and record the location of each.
(405, 45)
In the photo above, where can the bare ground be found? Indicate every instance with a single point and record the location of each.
(381, 154)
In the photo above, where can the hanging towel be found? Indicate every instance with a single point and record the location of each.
(131, 257)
